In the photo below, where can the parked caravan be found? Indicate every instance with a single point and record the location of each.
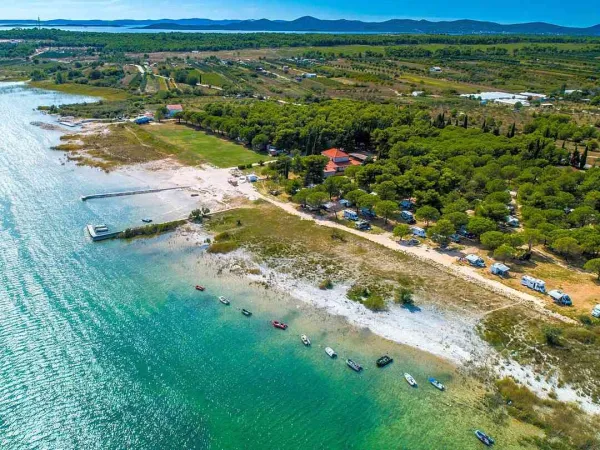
(350, 215)
(534, 283)
(417, 231)
(476, 261)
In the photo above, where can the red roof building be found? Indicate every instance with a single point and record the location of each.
(338, 161)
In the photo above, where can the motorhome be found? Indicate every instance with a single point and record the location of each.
(350, 215)
(534, 283)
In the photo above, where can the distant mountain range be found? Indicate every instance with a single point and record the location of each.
(312, 24)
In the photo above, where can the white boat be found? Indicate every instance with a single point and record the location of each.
(305, 340)
(224, 300)
(437, 384)
(410, 380)
(331, 352)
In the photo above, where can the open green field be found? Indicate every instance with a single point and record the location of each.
(196, 145)
(106, 93)
(213, 78)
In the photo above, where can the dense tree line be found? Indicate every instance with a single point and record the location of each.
(153, 42)
(460, 175)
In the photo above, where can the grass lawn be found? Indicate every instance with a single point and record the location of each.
(106, 93)
(197, 146)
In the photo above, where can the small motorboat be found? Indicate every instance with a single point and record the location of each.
(384, 361)
(354, 365)
(224, 300)
(331, 352)
(195, 195)
(199, 288)
(280, 325)
(246, 312)
(410, 380)
(484, 438)
(437, 384)
(305, 340)
(147, 220)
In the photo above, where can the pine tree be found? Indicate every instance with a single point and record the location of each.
(583, 159)
(575, 158)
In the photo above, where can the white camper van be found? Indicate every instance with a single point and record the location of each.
(534, 283)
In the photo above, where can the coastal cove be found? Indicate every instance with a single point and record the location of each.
(109, 346)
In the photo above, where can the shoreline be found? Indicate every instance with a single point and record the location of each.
(440, 332)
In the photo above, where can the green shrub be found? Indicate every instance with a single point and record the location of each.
(375, 302)
(222, 247)
(404, 296)
(326, 284)
(358, 293)
(580, 335)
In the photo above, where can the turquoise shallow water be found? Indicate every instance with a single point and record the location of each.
(107, 346)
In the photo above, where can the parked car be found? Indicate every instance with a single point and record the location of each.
(411, 242)
(455, 238)
(560, 297)
(366, 212)
(408, 217)
(596, 311)
(362, 225)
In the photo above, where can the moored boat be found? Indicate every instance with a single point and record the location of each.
(384, 361)
(224, 300)
(331, 352)
(410, 380)
(487, 440)
(437, 384)
(354, 365)
(305, 340)
(246, 312)
(147, 220)
(280, 325)
(199, 288)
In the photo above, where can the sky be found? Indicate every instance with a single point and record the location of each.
(580, 13)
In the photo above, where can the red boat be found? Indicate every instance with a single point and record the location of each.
(199, 288)
(280, 325)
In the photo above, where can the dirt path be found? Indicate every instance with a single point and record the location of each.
(432, 257)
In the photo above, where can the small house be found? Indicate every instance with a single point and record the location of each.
(350, 215)
(339, 160)
(418, 231)
(512, 221)
(174, 109)
(560, 297)
(500, 269)
(476, 261)
(534, 283)
(345, 203)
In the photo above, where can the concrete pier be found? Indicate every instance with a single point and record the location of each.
(124, 193)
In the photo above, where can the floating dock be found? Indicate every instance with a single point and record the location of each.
(100, 236)
(124, 193)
